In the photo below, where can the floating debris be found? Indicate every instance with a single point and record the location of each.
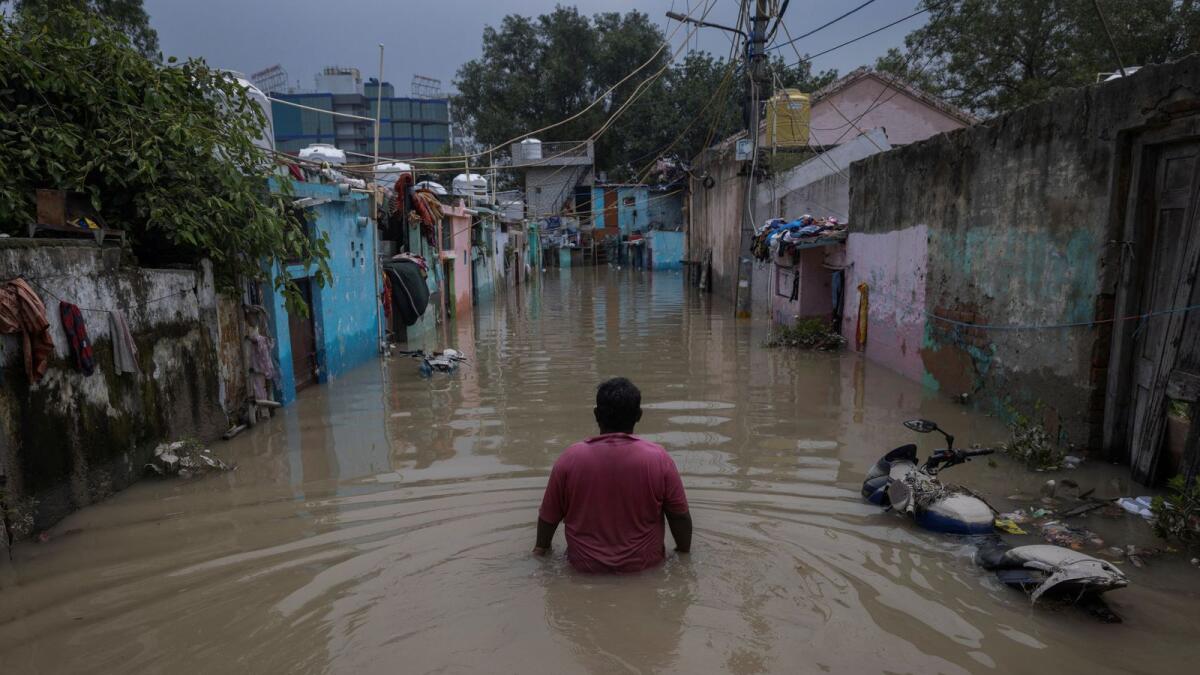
(1009, 526)
(185, 459)
(1075, 538)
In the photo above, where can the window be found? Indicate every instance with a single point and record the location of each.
(785, 280)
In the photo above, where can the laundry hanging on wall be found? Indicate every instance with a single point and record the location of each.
(22, 311)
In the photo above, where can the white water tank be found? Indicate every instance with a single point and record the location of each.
(387, 174)
(324, 152)
(266, 137)
(434, 187)
(472, 185)
(531, 148)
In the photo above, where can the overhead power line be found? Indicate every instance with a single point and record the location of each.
(864, 36)
(792, 40)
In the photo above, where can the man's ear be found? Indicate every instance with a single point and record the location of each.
(639, 416)
(596, 414)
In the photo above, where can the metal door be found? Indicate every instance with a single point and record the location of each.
(304, 340)
(1167, 278)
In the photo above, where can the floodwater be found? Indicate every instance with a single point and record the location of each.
(383, 524)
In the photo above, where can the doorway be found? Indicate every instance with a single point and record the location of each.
(303, 339)
(1160, 272)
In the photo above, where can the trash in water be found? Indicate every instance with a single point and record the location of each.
(1137, 505)
(1019, 516)
(1072, 462)
(1075, 538)
(185, 459)
(1137, 554)
(1048, 489)
(1009, 526)
(1040, 513)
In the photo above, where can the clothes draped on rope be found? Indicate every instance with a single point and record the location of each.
(22, 311)
(125, 353)
(77, 335)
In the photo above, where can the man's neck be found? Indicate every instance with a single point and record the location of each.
(627, 432)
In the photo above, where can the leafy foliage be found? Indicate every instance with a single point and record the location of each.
(1177, 515)
(127, 15)
(991, 56)
(807, 334)
(537, 71)
(1031, 445)
(165, 153)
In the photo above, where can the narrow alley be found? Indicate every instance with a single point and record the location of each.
(383, 514)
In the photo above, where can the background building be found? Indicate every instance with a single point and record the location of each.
(409, 127)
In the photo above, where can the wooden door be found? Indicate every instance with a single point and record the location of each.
(1169, 271)
(304, 340)
(610, 211)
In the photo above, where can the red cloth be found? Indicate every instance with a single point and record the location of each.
(22, 311)
(386, 296)
(611, 491)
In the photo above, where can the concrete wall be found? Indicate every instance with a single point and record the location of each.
(716, 217)
(547, 188)
(344, 314)
(872, 104)
(665, 209)
(69, 440)
(1009, 223)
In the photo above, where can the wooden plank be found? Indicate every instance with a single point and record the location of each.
(1183, 386)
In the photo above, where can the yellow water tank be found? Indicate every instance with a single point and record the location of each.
(787, 119)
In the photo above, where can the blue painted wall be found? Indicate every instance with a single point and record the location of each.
(639, 208)
(666, 249)
(344, 311)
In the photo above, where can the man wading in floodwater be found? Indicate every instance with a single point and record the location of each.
(613, 491)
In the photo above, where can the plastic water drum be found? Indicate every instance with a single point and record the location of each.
(787, 119)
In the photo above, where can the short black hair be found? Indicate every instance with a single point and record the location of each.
(618, 405)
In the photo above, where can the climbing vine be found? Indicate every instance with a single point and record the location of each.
(165, 152)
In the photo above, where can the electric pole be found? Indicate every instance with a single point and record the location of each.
(756, 81)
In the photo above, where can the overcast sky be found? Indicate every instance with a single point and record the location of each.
(433, 38)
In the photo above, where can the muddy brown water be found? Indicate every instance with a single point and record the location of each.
(383, 524)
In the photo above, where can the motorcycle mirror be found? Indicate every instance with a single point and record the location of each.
(921, 426)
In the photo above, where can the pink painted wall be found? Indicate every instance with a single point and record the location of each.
(906, 119)
(458, 219)
(893, 265)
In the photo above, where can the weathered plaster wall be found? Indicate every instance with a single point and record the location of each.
(69, 440)
(1019, 214)
(893, 266)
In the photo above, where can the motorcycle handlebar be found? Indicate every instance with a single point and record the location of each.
(977, 453)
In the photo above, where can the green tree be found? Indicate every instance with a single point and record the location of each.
(166, 153)
(991, 56)
(129, 16)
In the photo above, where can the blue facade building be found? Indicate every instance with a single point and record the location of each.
(341, 330)
(409, 127)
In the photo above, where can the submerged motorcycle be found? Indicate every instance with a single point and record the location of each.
(446, 361)
(899, 482)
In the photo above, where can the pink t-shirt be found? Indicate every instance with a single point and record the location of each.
(611, 491)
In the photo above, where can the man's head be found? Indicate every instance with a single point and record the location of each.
(618, 406)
